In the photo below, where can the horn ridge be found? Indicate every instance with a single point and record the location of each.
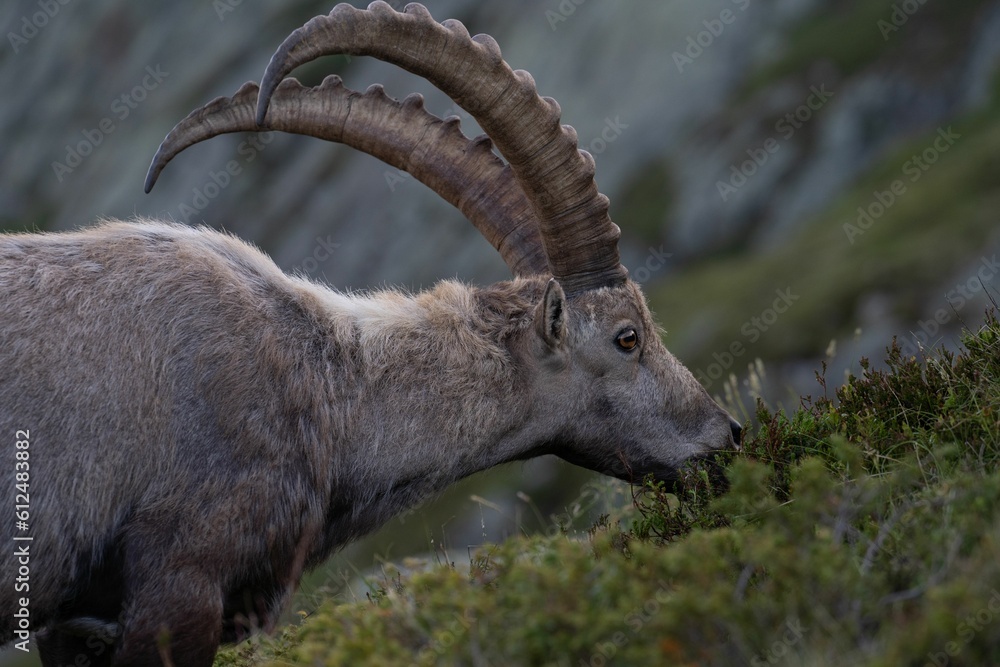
(580, 240)
(464, 172)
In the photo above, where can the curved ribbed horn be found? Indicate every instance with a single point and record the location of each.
(463, 172)
(580, 240)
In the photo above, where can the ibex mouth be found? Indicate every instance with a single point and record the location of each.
(703, 470)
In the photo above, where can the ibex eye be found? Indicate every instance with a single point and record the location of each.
(628, 339)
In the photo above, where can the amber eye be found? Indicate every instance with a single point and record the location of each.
(627, 339)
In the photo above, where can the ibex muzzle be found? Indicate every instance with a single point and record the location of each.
(203, 427)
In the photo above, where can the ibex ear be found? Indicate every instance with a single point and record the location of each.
(550, 315)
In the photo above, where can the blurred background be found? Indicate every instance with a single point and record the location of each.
(797, 181)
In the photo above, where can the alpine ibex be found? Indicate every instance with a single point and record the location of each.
(201, 427)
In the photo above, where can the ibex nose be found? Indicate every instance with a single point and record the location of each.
(737, 430)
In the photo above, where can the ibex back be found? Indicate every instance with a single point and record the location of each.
(202, 427)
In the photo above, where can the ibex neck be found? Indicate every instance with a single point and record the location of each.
(438, 392)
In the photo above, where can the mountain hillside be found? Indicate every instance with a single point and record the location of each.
(797, 181)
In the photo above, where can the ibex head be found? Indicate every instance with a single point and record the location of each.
(604, 391)
(622, 404)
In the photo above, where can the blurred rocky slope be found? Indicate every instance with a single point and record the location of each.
(723, 131)
(736, 139)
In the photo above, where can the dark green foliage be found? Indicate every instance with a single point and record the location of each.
(667, 515)
(864, 529)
